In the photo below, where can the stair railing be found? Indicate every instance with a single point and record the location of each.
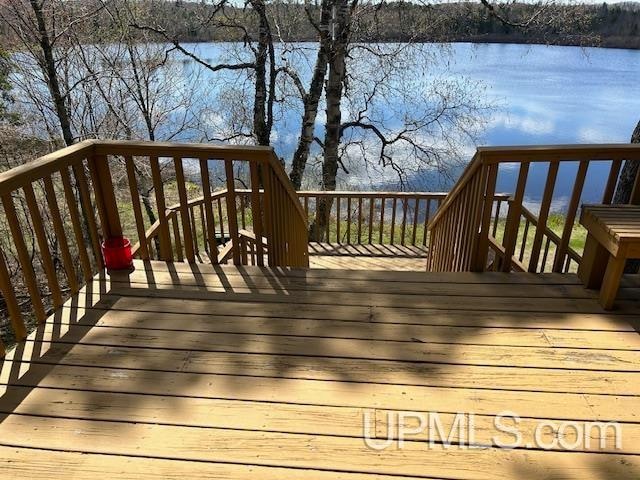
(57, 210)
(463, 236)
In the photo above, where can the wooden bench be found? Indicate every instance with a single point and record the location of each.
(613, 238)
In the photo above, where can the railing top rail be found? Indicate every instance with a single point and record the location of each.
(19, 176)
(545, 153)
(358, 193)
(538, 153)
(24, 174)
(184, 150)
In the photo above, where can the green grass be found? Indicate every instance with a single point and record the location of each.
(556, 223)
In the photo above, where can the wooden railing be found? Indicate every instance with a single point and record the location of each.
(463, 236)
(386, 218)
(356, 218)
(52, 242)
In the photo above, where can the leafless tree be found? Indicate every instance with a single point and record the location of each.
(42, 27)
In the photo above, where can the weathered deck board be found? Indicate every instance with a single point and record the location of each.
(477, 334)
(348, 370)
(259, 416)
(220, 372)
(416, 350)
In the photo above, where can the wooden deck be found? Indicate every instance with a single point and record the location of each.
(190, 372)
(368, 257)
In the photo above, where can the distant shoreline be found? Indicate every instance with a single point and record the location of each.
(609, 45)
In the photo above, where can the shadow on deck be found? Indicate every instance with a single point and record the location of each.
(368, 256)
(193, 371)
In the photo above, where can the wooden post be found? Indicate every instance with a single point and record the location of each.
(105, 196)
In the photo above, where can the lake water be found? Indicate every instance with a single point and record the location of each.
(542, 95)
(557, 95)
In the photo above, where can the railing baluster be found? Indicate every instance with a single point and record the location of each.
(524, 239)
(349, 220)
(23, 257)
(176, 234)
(269, 226)
(394, 205)
(194, 229)
(221, 218)
(327, 228)
(232, 214)
(496, 218)
(338, 219)
(85, 264)
(403, 229)
(416, 209)
(612, 181)
(468, 209)
(371, 206)
(512, 225)
(137, 208)
(561, 249)
(543, 215)
(544, 256)
(427, 217)
(166, 250)
(383, 200)
(61, 235)
(487, 192)
(203, 226)
(256, 213)
(635, 191)
(359, 220)
(459, 229)
(243, 219)
(276, 233)
(10, 300)
(189, 252)
(282, 220)
(43, 246)
(85, 198)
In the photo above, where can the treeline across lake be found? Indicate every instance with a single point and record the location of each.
(606, 25)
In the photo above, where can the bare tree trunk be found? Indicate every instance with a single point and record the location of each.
(312, 98)
(265, 91)
(334, 91)
(628, 175)
(49, 69)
